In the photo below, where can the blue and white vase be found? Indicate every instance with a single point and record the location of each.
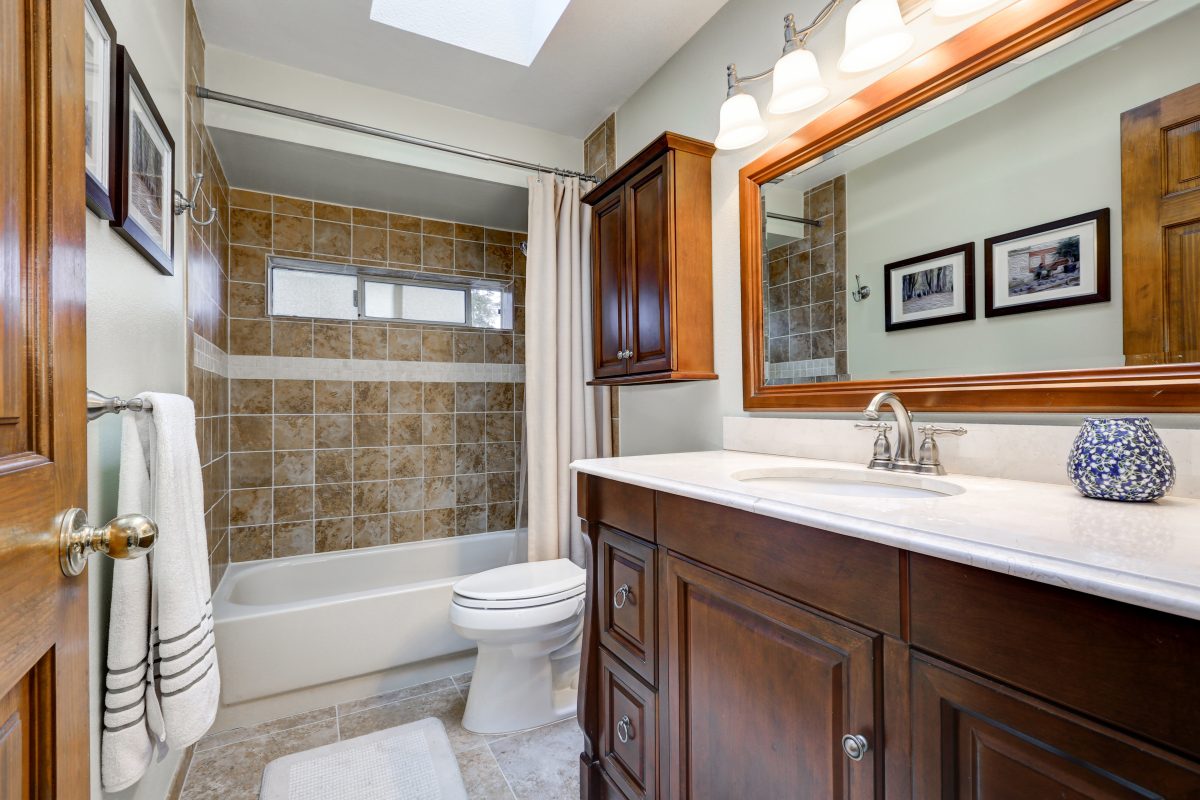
(1120, 459)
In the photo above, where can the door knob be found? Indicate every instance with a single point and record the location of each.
(126, 536)
(855, 745)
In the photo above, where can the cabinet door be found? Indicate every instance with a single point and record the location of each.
(760, 693)
(974, 738)
(609, 305)
(648, 197)
(628, 602)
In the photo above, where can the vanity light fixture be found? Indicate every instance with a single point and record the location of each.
(875, 35)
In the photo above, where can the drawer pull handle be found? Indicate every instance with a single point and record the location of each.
(855, 745)
(620, 596)
(625, 729)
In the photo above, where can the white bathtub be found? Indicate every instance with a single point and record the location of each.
(306, 621)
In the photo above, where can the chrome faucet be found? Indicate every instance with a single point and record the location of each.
(929, 460)
(902, 460)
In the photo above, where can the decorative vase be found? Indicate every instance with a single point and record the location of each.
(1120, 459)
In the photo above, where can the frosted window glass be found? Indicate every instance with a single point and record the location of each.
(300, 293)
(381, 299)
(430, 304)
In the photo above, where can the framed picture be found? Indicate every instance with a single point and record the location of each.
(99, 106)
(146, 172)
(932, 289)
(1061, 263)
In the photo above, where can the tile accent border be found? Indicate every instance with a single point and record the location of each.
(208, 357)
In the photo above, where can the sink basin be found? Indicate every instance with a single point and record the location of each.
(847, 482)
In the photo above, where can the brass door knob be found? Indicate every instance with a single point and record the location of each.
(126, 536)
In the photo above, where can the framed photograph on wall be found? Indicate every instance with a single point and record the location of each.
(99, 108)
(146, 172)
(1058, 264)
(930, 289)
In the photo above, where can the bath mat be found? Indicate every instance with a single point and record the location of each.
(411, 762)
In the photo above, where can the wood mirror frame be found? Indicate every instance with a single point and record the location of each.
(1010, 32)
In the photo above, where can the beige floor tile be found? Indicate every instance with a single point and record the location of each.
(394, 696)
(542, 764)
(253, 731)
(482, 776)
(446, 705)
(234, 772)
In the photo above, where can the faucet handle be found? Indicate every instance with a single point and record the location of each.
(931, 431)
(881, 458)
(873, 426)
(929, 458)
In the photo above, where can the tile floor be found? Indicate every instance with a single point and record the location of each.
(542, 764)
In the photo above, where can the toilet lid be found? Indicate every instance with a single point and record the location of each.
(523, 602)
(522, 581)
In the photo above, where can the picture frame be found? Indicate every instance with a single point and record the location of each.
(100, 75)
(146, 172)
(930, 289)
(1054, 265)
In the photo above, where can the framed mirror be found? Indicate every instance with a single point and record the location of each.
(1010, 222)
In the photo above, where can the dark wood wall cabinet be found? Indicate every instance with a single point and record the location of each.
(732, 656)
(652, 266)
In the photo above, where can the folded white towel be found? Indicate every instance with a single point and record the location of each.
(175, 632)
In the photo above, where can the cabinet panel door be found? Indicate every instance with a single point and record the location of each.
(628, 597)
(628, 730)
(609, 306)
(648, 195)
(760, 693)
(974, 738)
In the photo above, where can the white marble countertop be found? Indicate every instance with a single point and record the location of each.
(1147, 554)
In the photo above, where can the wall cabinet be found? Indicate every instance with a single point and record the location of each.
(768, 659)
(652, 266)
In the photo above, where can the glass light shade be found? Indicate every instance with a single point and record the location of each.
(741, 124)
(796, 83)
(960, 8)
(875, 35)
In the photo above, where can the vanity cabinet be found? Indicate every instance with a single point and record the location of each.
(652, 266)
(768, 659)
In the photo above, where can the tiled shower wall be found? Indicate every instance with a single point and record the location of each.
(356, 434)
(600, 159)
(207, 249)
(804, 286)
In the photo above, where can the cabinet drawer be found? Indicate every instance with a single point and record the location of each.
(628, 726)
(628, 600)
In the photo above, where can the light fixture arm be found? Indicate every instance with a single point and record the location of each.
(792, 39)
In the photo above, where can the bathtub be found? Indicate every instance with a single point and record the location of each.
(306, 621)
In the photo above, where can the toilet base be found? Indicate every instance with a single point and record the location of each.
(515, 688)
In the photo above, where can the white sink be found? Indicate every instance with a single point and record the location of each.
(847, 482)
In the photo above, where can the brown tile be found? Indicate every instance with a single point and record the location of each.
(293, 397)
(371, 498)
(334, 534)
(293, 432)
(372, 531)
(250, 544)
(293, 539)
(404, 248)
(248, 433)
(406, 461)
(370, 397)
(369, 244)
(437, 252)
(500, 487)
(333, 500)
(249, 506)
(292, 205)
(468, 428)
(334, 466)
(469, 347)
(370, 430)
(370, 343)
(250, 227)
(501, 516)
(331, 238)
(499, 426)
(439, 397)
(468, 256)
(470, 519)
(498, 260)
(406, 397)
(439, 523)
(249, 337)
(250, 396)
(500, 456)
(468, 396)
(437, 227)
(365, 216)
(334, 431)
(249, 470)
(436, 429)
(331, 212)
(292, 338)
(293, 468)
(499, 348)
(405, 429)
(471, 490)
(331, 341)
(437, 346)
(334, 397)
(403, 222)
(473, 233)
(495, 236)
(406, 526)
(439, 492)
(293, 503)
(294, 234)
(499, 397)
(470, 458)
(371, 464)
(244, 198)
(406, 494)
(404, 344)
(248, 300)
(248, 264)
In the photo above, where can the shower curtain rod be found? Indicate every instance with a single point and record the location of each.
(208, 94)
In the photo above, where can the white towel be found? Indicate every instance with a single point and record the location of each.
(161, 614)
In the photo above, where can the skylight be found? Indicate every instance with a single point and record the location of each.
(513, 30)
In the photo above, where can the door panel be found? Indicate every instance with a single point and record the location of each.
(751, 674)
(608, 286)
(650, 267)
(629, 607)
(43, 632)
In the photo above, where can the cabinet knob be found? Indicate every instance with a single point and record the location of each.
(625, 729)
(620, 596)
(855, 746)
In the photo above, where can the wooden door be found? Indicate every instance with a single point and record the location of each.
(43, 630)
(974, 738)
(1160, 199)
(649, 265)
(760, 693)
(610, 310)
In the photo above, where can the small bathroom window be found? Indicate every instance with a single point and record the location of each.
(303, 288)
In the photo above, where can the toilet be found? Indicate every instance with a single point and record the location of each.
(528, 621)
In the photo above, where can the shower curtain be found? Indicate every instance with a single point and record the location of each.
(564, 418)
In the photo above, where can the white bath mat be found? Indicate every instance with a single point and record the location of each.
(411, 762)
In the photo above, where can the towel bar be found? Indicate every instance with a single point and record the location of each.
(98, 405)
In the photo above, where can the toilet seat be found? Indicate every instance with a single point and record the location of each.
(523, 602)
(521, 585)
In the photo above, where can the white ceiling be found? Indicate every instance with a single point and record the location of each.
(598, 54)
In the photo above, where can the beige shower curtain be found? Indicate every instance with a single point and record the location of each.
(565, 419)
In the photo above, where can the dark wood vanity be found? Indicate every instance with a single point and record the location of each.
(728, 654)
